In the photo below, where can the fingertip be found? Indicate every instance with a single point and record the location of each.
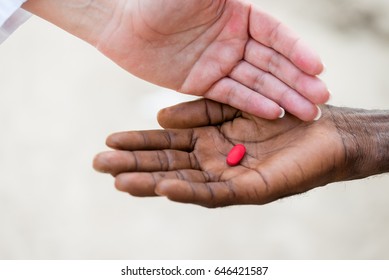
(161, 117)
(112, 141)
(121, 182)
(319, 68)
(175, 190)
(316, 66)
(314, 89)
(308, 113)
(265, 108)
(282, 114)
(275, 114)
(324, 69)
(187, 114)
(161, 189)
(326, 97)
(98, 163)
(164, 186)
(308, 60)
(312, 115)
(103, 162)
(330, 96)
(310, 64)
(129, 183)
(322, 95)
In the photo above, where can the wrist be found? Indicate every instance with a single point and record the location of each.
(83, 18)
(365, 136)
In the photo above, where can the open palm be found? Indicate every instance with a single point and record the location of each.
(284, 157)
(228, 51)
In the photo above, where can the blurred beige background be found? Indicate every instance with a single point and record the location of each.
(60, 98)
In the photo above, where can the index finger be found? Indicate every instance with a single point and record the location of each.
(152, 140)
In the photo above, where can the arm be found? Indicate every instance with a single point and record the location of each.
(365, 136)
(85, 19)
(284, 157)
(229, 51)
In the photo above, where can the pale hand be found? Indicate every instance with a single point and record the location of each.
(228, 51)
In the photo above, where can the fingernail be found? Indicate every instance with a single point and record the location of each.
(319, 114)
(282, 113)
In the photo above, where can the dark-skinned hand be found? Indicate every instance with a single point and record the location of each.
(188, 163)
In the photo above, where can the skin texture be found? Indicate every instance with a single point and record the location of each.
(283, 158)
(225, 50)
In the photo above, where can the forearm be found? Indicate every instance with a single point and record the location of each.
(365, 136)
(85, 19)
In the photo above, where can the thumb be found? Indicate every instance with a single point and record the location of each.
(196, 113)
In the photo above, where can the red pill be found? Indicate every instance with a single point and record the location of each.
(236, 154)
